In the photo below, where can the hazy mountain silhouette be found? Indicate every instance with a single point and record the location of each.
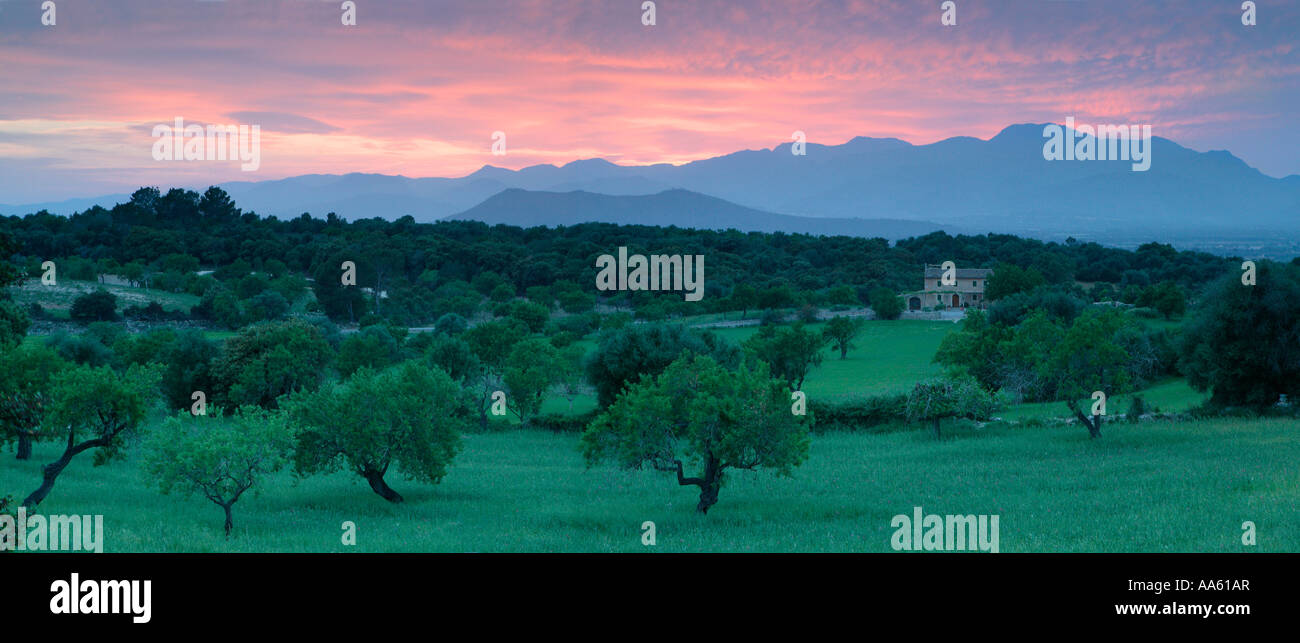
(681, 208)
(1002, 184)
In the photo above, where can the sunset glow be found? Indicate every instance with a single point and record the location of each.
(417, 88)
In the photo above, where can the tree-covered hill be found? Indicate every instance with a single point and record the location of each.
(412, 273)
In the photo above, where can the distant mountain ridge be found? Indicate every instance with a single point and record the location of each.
(676, 207)
(1002, 184)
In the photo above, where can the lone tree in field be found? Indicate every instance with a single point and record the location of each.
(790, 352)
(1088, 359)
(944, 397)
(407, 415)
(533, 368)
(840, 331)
(699, 412)
(98, 407)
(1242, 342)
(217, 457)
(25, 374)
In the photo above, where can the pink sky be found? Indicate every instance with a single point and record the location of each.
(418, 88)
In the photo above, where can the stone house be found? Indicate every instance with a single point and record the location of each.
(966, 289)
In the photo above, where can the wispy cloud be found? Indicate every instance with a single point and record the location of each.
(418, 88)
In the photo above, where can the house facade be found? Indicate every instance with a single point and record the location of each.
(966, 291)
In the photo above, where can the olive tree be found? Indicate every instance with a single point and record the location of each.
(25, 374)
(790, 352)
(408, 415)
(533, 368)
(97, 408)
(840, 331)
(491, 344)
(626, 355)
(937, 398)
(14, 322)
(1089, 359)
(218, 457)
(267, 360)
(701, 413)
(1242, 342)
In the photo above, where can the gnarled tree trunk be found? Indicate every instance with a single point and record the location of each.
(376, 479)
(710, 483)
(24, 445)
(1093, 425)
(51, 471)
(229, 522)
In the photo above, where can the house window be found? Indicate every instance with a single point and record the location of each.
(976, 284)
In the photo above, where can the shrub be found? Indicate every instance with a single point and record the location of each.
(886, 303)
(14, 322)
(372, 346)
(153, 311)
(451, 324)
(100, 305)
(614, 321)
(562, 423)
(82, 349)
(858, 414)
(106, 332)
(266, 306)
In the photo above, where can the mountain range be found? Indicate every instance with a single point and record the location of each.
(866, 186)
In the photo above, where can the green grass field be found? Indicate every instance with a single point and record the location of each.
(57, 300)
(1169, 396)
(888, 358)
(1155, 486)
(1152, 486)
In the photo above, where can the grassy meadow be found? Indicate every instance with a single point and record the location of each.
(1150, 486)
(888, 358)
(57, 300)
(1154, 486)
